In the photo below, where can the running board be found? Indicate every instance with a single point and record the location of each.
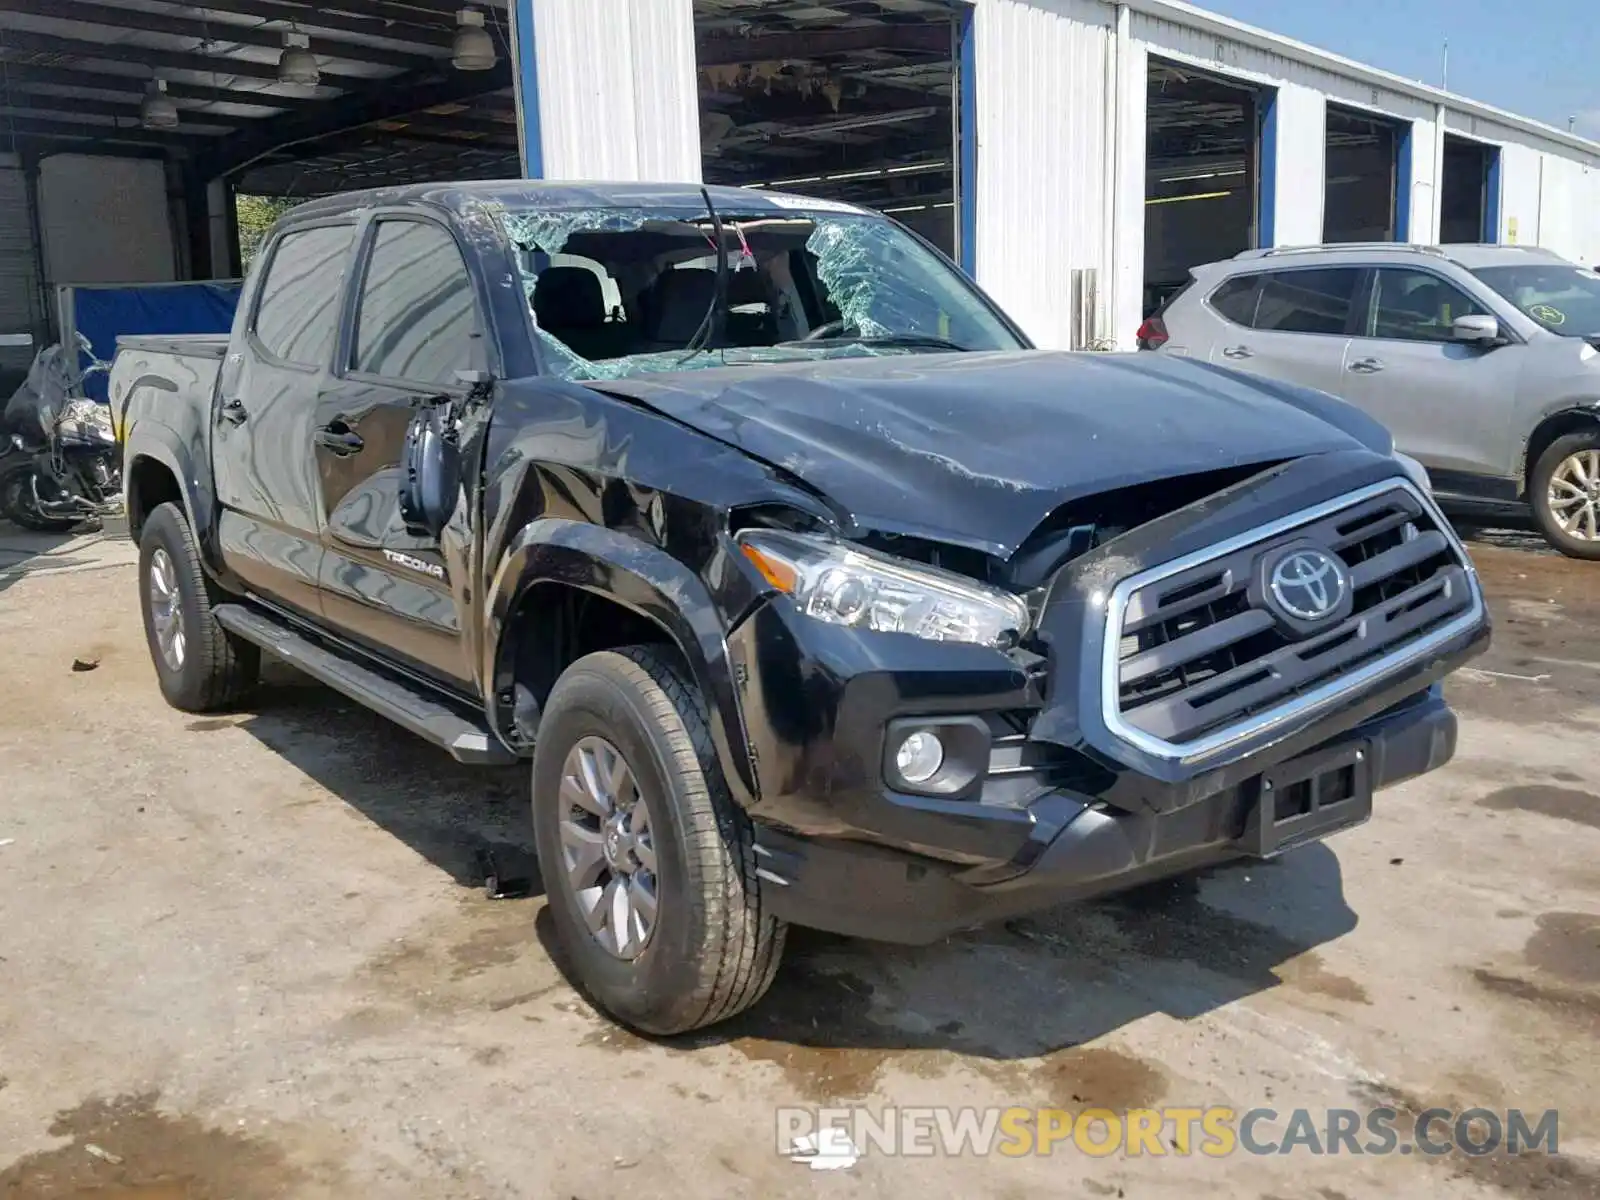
(462, 738)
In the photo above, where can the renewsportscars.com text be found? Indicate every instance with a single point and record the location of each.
(1214, 1132)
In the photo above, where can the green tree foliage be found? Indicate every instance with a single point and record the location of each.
(256, 215)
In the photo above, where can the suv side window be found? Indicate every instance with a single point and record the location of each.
(1317, 300)
(1236, 300)
(299, 307)
(418, 319)
(1416, 306)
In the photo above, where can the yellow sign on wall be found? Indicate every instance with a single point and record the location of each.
(1511, 231)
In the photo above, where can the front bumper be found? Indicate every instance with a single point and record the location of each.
(1078, 849)
(1067, 806)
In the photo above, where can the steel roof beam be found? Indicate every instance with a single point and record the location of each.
(726, 51)
(23, 80)
(388, 21)
(171, 60)
(190, 27)
(378, 100)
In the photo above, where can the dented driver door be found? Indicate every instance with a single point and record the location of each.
(414, 334)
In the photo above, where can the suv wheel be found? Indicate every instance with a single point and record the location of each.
(1565, 492)
(201, 666)
(648, 865)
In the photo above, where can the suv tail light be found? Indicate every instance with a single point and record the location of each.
(1152, 334)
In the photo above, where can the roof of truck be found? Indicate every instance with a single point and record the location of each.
(545, 194)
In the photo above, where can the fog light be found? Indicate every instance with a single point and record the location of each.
(919, 758)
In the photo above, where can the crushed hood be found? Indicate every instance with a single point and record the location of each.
(977, 449)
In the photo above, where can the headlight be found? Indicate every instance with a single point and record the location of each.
(1417, 472)
(845, 585)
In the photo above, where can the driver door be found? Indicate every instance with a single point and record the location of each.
(1449, 404)
(416, 327)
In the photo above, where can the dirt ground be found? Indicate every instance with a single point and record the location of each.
(251, 956)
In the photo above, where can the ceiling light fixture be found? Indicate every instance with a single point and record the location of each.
(297, 66)
(157, 110)
(473, 49)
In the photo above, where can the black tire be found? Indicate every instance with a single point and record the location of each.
(16, 504)
(1544, 470)
(714, 948)
(216, 668)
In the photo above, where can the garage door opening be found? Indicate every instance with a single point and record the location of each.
(856, 102)
(1469, 192)
(1366, 178)
(1203, 181)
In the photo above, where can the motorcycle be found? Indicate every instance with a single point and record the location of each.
(60, 464)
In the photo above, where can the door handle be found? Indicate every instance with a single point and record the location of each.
(1367, 366)
(340, 439)
(233, 411)
(1238, 352)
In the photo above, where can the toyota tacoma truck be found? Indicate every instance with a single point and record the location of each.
(812, 593)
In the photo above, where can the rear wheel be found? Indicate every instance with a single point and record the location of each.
(201, 666)
(1565, 493)
(648, 864)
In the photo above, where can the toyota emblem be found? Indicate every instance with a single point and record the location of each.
(1308, 584)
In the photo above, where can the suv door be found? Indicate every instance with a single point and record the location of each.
(270, 519)
(416, 328)
(1290, 324)
(1448, 404)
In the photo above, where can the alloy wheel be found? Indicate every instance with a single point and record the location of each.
(1574, 495)
(607, 847)
(166, 610)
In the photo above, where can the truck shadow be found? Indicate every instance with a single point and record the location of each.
(469, 822)
(1027, 994)
(24, 552)
(1019, 996)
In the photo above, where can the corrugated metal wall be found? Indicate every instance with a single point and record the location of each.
(1060, 171)
(1550, 195)
(1304, 92)
(1041, 86)
(1044, 174)
(616, 87)
(19, 274)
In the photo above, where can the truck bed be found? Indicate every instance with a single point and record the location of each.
(205, 345)
(154, 376)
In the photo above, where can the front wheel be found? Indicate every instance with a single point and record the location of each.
(648, 864)
(1565, 493)
(19, 505)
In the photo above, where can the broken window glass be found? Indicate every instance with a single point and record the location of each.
(616, 292)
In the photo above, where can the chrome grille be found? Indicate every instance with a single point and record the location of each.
(1197, 656)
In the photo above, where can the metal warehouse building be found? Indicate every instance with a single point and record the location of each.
(1077, 156)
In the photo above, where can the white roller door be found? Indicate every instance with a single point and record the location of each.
(19, 273)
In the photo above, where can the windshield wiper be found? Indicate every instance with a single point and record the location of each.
(908, 340)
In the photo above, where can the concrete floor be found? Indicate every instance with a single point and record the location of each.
(249, 956)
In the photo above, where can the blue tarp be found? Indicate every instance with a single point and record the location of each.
(104, 314)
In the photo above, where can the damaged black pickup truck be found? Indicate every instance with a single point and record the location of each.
(813, 593)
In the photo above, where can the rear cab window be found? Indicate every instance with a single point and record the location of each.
(297, 312)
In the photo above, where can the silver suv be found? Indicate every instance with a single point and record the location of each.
(1481, 360)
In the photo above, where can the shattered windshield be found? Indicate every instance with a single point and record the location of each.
(620, 291)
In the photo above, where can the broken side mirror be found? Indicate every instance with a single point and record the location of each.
(432, 465)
